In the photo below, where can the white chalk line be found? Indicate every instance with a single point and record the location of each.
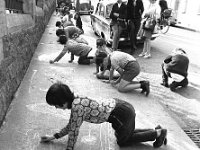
(34, 73)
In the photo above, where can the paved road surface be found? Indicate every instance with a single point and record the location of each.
(29, 116)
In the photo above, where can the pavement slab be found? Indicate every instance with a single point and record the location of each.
(30, 117)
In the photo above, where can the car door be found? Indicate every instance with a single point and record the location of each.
(95, 18)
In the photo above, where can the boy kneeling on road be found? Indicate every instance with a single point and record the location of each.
(119, 113)
(128, 68)
(175, 66)
(76, 47)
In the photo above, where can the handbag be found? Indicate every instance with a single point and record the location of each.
(150, 23)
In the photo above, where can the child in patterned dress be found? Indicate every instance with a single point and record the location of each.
(119, 113)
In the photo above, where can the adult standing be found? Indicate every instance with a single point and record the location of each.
(118, 15)
(135, 9)
(152, 12)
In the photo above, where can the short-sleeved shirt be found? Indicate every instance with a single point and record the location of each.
(85, 109)
(120, 59)
(78, 49)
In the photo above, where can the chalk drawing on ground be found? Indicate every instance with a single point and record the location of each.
(89, 139)
(31, 80)
(47, 57)
(46, 109)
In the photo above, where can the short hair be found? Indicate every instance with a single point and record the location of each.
(59, 94)
(63, 39)
(182, 50)
(77, 15)
(179, 49)
(58, 23)
(100, 42)
(60, 32)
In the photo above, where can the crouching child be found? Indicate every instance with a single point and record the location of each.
(175, 66)
(128, 68)
(77, 48)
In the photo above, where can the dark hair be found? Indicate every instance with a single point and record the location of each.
(100, 42)
(59, 94)
(182, 50)
(58, 24)
(77, 15)
(63, 39)
(60, 32)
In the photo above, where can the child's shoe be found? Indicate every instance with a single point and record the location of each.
(160, 127)
(173, 85)
(161, 139)
(147, 56)
(141, 54)
(145, 87)
(184, 82)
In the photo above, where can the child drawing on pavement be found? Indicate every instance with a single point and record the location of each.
(76, 46)
(119, 113)
(128, 68)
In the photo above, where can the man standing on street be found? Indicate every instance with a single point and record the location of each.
(135, 9)
(118, 16)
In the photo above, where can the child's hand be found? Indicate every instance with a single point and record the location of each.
(51, 61)
(70, 61)
(47, 138)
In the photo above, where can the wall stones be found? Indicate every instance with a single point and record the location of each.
(18, 49)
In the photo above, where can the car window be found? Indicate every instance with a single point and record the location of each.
(101, 13)
(108, 10)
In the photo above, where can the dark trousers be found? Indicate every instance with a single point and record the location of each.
(174, 84)
(164, 75)
(123, 122)
(134, 26)
(84, 60)
(117, 30)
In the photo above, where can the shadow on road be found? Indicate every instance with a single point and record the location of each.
(189, 92)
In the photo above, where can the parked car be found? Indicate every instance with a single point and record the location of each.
(100, 22)
(83, 6)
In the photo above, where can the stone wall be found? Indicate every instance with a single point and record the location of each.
(18, 49)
